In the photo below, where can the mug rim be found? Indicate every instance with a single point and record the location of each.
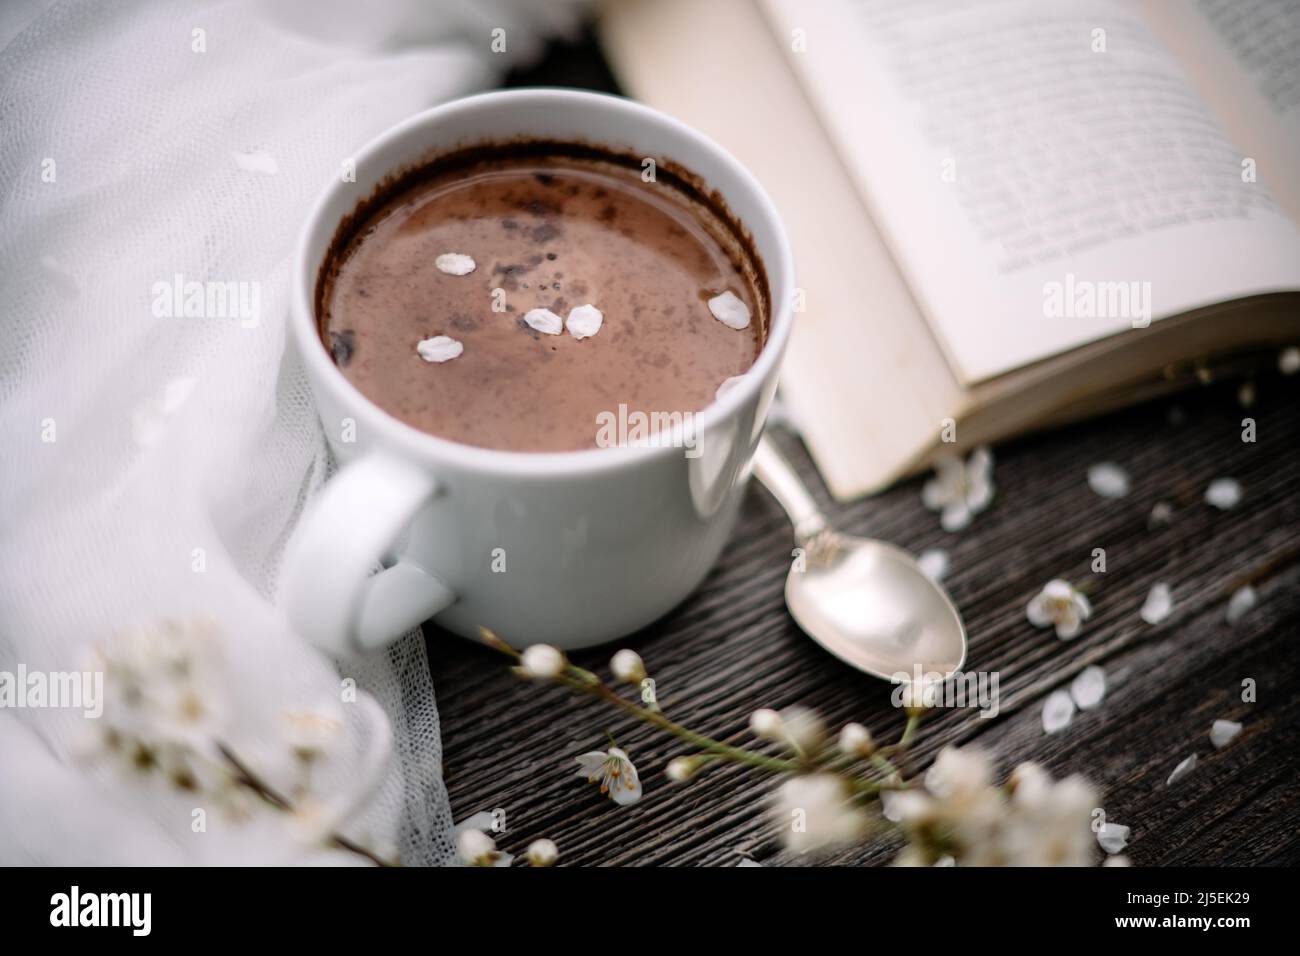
(322, 370)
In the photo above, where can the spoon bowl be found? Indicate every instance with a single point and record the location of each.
(870, 605)
(867, 602)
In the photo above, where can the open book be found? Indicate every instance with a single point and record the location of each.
(1005, 214)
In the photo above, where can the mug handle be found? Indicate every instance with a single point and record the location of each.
(326, 587)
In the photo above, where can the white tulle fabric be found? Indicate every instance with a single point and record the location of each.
(152, 467)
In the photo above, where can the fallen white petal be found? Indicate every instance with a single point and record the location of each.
(729, 310)
(1088, 688)
(1058, 711)
(1246, 395)
(1182, 770)
(748, 863)
(1222, 733)
(956, 516)
(933, 563)
(1161, 513)
(455, 264)
(1159, 604)
(1223, 493)
(1113, 837)
(1108, 480)
(484, 820)
(584, 321)
(440, 348)
(1243, 600)
(1288, 360)
(544, 320)
(1117, 860)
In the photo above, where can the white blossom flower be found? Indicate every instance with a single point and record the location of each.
(814, 812)
(165, 686)
(961, 815)
(542, 853)
(1062, 605)
(958, 772)
(628, 666)
(856, 741)
(311, 820)
(1185, 767)
(1048, 822)
(933, 564)
(899, 805)
(542, 661)
(311, 734)
(615, 774)
(1108, 480)
(1058, 711)
(1158, 605)
(1222, 733)
(803, 729)
(1288, 360)
(1113, 837)
(766, 724)
(960, 490)
(1223, 493)
(1242, 601)
(1088, 688)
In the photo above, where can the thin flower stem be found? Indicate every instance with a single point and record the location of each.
(909, 732)
(862, 787)
(885, 765)
(716, 747)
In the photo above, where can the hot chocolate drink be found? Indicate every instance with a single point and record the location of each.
(515, 298)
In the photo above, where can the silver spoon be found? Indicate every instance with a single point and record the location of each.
(865, 601)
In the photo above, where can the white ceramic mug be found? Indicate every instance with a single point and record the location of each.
(567, 548)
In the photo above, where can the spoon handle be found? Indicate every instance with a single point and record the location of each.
(780, 479)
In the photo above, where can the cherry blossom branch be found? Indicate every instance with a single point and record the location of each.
(550, 664)
(245, 776)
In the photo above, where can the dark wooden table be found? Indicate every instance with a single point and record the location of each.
(732, 647)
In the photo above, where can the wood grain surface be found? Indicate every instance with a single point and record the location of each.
(732, 647)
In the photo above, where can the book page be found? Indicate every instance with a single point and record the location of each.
(1244, 58)
(1046, 173)
(863, 374)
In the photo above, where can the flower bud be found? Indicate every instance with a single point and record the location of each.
(542, 661)
(856, 741)
(476, 848)
(542, 853)
(628, 667)
(766, 723)
(681, 769)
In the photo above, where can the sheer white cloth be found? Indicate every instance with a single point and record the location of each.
(152, 464)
